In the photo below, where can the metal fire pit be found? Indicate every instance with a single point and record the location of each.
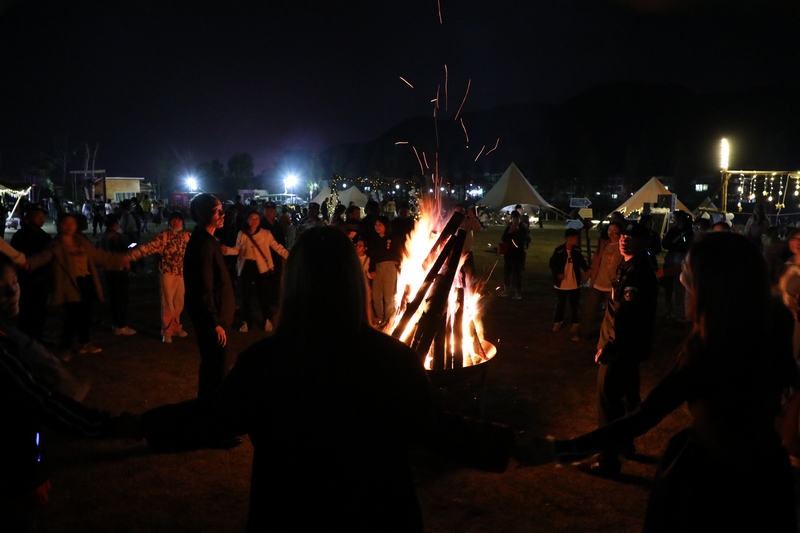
(448, 377)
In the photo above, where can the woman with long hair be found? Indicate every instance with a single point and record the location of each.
(331, 414)
(727, 471)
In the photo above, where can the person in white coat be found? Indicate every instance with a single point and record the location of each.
(254, 267)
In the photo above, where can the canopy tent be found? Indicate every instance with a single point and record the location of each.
(512, 189)
(351, 194)
(648, 194)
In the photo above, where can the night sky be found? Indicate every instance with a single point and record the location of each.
(203, 80)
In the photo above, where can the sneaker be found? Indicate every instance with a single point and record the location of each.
(517, 297)
(180, 333)
(503, 294)
(89, 349)
(557, 326)
(244, 328)
(268, 326)
(125, 330)
(166, 339)
(574, 329)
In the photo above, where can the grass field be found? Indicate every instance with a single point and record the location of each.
(540, 381)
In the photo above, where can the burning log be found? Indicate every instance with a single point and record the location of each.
(434, 317)
(443, 253)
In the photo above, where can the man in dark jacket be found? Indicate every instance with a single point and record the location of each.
(209, 292)
(30, 240)
(626, 339)
(270, 223)
(566, 264)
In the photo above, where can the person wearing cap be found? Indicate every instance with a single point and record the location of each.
(626, 339)
(311, 220)
(171, 245)
(29, 240)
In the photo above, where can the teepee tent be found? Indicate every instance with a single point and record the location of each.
(648, 194)
(512, 189)
(351, 194)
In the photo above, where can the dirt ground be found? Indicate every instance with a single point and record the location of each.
(540, 381)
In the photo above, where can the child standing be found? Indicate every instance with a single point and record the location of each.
(566, 264)
(171, 244)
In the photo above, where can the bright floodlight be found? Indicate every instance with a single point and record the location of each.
(191, 183)
(724, 152)
(290, 181)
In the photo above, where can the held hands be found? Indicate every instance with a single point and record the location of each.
(222, 339)
(224, 248)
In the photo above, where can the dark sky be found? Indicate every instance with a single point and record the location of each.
(204, 80)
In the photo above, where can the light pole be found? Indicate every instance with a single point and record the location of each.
(724, 155)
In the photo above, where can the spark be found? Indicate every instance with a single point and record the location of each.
(437, 96)
(426, 160)
(421, 170)
(406, 81)
(465, 130)
(464, 100)
(495, 146)
(401, 142)
(479, 153)
(445, 86)
(439, 5)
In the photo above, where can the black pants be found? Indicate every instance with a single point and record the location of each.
(214, 364)
(97, 222)
(255, 283)
(618, 387)
(574, 296)
(32, 307)
(78, 315)
(118, 296)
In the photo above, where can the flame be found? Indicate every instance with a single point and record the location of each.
(465, 309)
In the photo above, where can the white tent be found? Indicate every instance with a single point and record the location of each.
(351, 194)
(512, 189)
(648, 194)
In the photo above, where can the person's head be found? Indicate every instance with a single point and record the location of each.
(402, 211)
(206, 210)
(647, 221)
(614, 231)
(270, 211)
(515, 218)
(361, 247)
(34, 215)
(383, 226)
(237, 198)
(145, 197)
(633, 240)
(175, 221)
(112, 222)
(338, 211)
(722, 225)
(725, 273)
(83, 222)
(253, 219)
(125, 205)
(459, 208)
(67, 225)
(572, 236)
(323, 261)
(518, 208)
(616, 216)
(760, 212)
(9, 288)
(701, 225)
(373, 208)
(354, 212)
(313, 209)
(794, 243)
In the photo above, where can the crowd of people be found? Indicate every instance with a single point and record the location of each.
(371, 404)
